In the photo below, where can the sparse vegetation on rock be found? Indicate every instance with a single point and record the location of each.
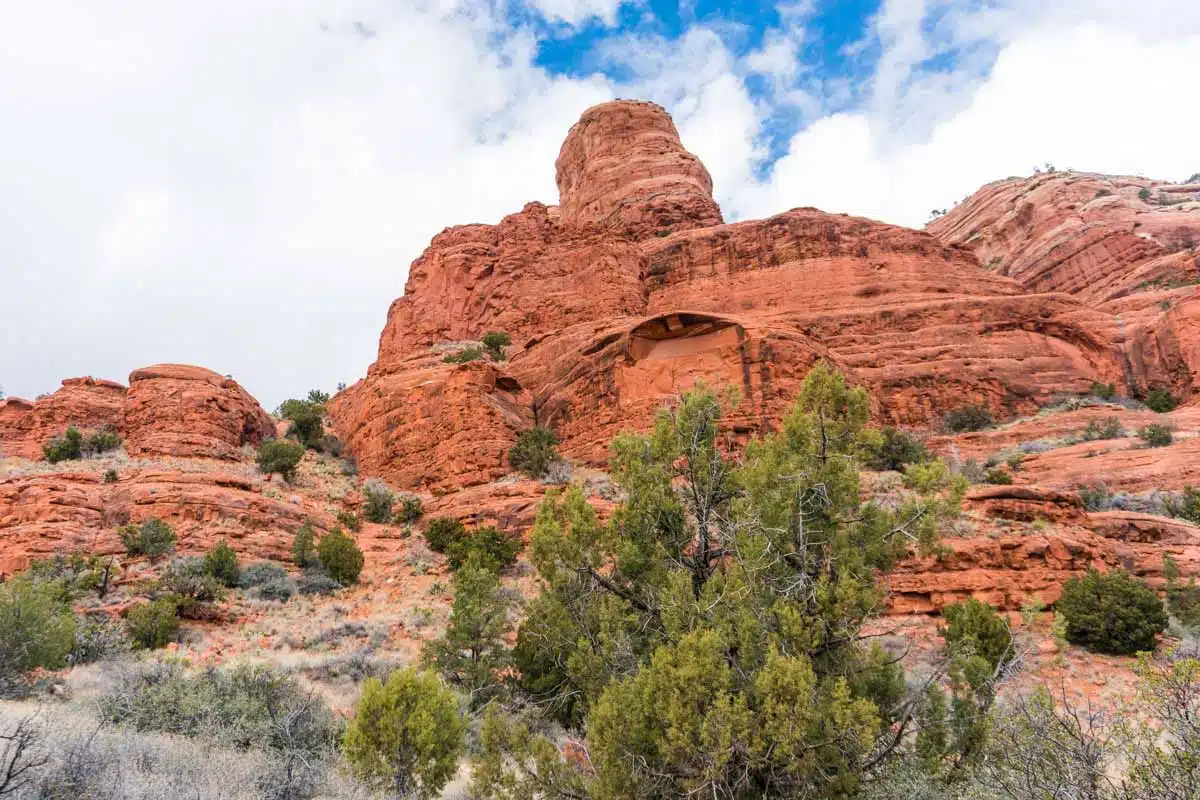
(494, 343)
(1155, 435)
(153, 539)
(1160, 400)
(533, 452)
(377, 502)
(968, 418)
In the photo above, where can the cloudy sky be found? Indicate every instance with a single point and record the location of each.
(242, 185)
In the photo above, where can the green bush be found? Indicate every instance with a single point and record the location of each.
(494, 549)
(464, 356)
(304, 546)
(110, 476)
(68, 447)
(349, 520)
(1144, 195)
(406, 735)
(153, 538)
(1111, 612)
(340, 556)
(222, 563)
(533, 451)
(279, 455)
(1095, 498)
(998, 476)
(377, 502)
(1161, 400)
(1155, 435)
(307, 418)
(976, 627)
(896, 449)
(1185, 506)
(71, 575)
(441, 532)
(102, 441)
(1105, 391)
(411, 509)
(37, 628)
(187, 583)
(154, 624)
(494, 343)
(968, 418)
(1110, 428)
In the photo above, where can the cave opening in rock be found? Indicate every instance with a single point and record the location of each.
(682, 333)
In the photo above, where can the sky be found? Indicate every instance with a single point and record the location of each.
(242, 185)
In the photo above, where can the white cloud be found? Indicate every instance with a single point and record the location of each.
(1087, 97)
(575, 12)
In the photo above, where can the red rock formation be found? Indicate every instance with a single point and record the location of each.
(632, 291)
(78, 512)
(1090, 235)
(178, 410)
(86, 403)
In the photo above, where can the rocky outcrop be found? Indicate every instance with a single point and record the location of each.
(1096, 236)
(86, 403)
(632, 291)
(79, 512)
(178, 410)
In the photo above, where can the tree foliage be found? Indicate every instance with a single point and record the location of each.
(221, 562)
(406, 734)
(707, 641)
(307, 418)
(279, 455)
(1111, 612)
(895, 450)
(533, 452)
(37, 628)
(304, 552)
(153, 538)
(471, 654)
(340, 556)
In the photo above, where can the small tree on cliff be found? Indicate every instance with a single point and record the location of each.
(707, 641)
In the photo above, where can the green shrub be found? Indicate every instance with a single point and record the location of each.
(1161, 400)
(441, 532)
(153, 538)
(99, 637)
(102, 441)
(349, 520)
(1155, 435)
(189, 586)
(1111, 612)
(998, 476)
(1144, 195)
(110, 476)
(465, 355)
(71, 575)
(307, 418)
(411, 509)
(1183, 599)
(1105, 391)
(261, 572)
(37, 628)
(533, 451)
(340, 556)
(406, 735)
(968, 418)
(222, 563)
(1095, 498)
(976, 627)
(154, 624)
(304, 546)
(1185, 506)
(494, 549)
(377, 502)
(68, 447)
(279, 455)
(317, 581)
(494, 343)
(1110, 428)
(896, 449)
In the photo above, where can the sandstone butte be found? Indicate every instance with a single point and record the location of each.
(633, 289)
